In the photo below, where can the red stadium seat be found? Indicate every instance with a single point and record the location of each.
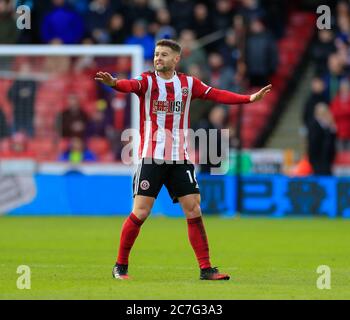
(5, 145)
(5, 105)
(107, 157)
(289, 58)
(278, 82)
(99, 146)
(43, 149)
(271, 98)
(343, 158)
(63, 145)
(260, 108)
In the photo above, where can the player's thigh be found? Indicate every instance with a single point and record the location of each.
(191, 205)
(181, 180)
(148, 179)
(147, 182)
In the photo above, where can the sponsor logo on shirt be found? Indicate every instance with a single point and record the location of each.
(168, 107)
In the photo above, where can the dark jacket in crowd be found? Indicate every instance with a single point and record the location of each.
(320, 53)
(309, 108)
(321, 148)
(261, 56)
(8, 29)
(22, 95)
(4, 130)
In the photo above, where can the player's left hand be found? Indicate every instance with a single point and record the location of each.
(105, 78)
(260, 94)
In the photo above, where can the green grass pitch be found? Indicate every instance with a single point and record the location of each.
(72, 258)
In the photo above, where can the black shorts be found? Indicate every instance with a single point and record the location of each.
(178, 177)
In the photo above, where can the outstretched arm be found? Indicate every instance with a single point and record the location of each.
(227, 97)
(120, 85)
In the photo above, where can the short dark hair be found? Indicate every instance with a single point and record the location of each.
(169, 43)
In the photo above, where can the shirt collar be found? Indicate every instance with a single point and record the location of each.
(166, 80)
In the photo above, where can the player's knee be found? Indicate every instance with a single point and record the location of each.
(193, 210)
(142, 212)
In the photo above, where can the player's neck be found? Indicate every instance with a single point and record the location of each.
(166, 75)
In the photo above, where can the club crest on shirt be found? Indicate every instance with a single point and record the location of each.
(184, 91)
(144, 185)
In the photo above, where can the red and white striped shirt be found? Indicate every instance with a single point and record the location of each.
(165, 111)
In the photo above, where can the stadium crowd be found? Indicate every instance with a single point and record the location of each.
(230, 44)
(326, 114)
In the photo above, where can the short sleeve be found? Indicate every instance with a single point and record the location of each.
(199, 88)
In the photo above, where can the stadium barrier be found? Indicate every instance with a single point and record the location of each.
(86, 192)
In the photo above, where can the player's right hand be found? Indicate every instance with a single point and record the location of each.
(105, 78)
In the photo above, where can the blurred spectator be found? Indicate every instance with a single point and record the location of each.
(199, 72)
(141, 37)
(120, 104)
(233, 57)
(234, 142)
(191, 54)
(4, 129)
(99, 124)
(201, 22)
(8, 28)
(261, 54)
(317, 95)
(323, 47)
(83, 66)
(72, 121)
(163, 27)
(62, 24)
(22, 95)
(342, 8)
(333, 76)
(139, 9)
(229, 50)
(77, 152)
(223, 14)
(343, 51)
(340, 107)
(18, 147)
(181, 13)
(57, 66)
(117, 29)
(321, 140)
(96, 19)
(250, 10)
(81, 6)
(240, 31)
(216, 121)
(220, 76)
(157, 4)
(276, 16)
(199, 108)
(343, 33)
(39, 9)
